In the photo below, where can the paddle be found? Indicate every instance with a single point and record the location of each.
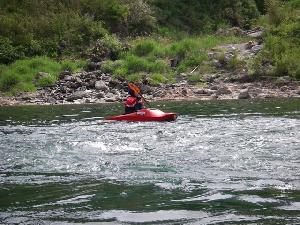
(137, 90)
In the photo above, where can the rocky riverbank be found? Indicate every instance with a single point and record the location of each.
(97, 87)
(223, 83)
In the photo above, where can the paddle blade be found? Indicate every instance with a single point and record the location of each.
(134, 88)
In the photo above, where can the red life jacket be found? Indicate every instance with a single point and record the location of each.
(130, 101)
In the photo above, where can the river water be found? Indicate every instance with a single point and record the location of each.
(221, 162)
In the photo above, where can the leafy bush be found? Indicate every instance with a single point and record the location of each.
(8, 53)
(281, 53)
(144, 47)
(140, 19)
(9, 80)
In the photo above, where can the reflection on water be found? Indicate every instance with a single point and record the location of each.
(231, 162)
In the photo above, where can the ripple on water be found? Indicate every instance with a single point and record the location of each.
(198, 170)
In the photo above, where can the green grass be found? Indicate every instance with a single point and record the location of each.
(151, 56)
(21, 76)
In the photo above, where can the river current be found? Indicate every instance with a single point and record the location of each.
(221, 162)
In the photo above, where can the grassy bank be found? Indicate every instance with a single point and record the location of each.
(151, 58)
(147, 58)
(28, 74)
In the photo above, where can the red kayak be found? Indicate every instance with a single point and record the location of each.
(145, 115)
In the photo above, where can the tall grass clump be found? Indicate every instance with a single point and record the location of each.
(22, 75)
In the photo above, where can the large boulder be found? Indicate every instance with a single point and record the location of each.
(77, 95)
(101, 86)
(244, 94)
(223, 91)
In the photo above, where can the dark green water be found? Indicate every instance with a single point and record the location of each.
(221, 162)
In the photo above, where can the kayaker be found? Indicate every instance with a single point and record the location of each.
(133, 102)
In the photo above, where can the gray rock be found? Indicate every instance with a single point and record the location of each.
(244, 94)
(72, 85)
(217, 63)
(100, 95)
(249, 45)
(80, 74)
(256, 34)
(223, 91)
(113, 99)
(200, 92)
(78, 80)
(210, 78)
(63, 74)
(214, 87)
(100, 85)
(77, 95)
(283, 80)
(105, 78)
(68, 78)
(256, 49)
(184, 91)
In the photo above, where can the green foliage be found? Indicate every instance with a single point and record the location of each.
(73, 66)
(141, 19)
(61, 28)
(151, 57)
(281, 53)
(135, 77)
(144, 47)
(8, 53)
(195, 78)
(22, 75)
(46, 81)
(157, 78)
(204, 15)
(235, 63)
(274, 12)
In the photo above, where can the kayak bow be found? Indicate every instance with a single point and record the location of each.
(145, 115)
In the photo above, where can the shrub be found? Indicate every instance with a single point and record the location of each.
(144, 47)
(140, 19)
(73, 66)
(275, 13)
(136, 64)
(281, 52)
(8, 81)
(135, 77)
(157, 78)
(46, 81)
(8, 53)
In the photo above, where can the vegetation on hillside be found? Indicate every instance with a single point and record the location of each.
(138, 38)
(28, 74)
(151, 58)
(62, 27)
(281, 53)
